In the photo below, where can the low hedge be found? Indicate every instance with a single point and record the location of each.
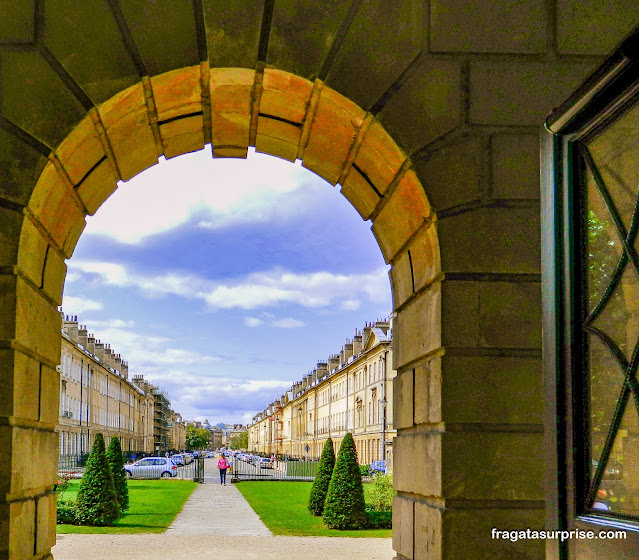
(66, 513)
(379, 519)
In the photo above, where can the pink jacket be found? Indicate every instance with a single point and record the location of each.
(222, 463)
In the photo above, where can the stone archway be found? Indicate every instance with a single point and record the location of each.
(277, 112)
(93, 94)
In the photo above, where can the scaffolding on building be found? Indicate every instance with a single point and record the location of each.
(161, 419)
(278, 430)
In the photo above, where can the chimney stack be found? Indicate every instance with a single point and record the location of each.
(70, 326)
(82, 336)
(322, 369)
(347, 351)
(333, 362)
(99, 350)
(117, 360)
(91, 344)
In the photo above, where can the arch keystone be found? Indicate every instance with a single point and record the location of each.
(230, 91)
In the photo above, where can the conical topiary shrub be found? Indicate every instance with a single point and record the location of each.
(322, 479)
(344, 507)
(97, 503)
(114, 457)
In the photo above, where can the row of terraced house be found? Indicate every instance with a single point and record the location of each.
(349, 392)
(96, 395)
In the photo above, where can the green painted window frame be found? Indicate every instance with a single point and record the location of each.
(604, 95)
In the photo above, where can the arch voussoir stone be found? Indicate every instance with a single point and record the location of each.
(403, 213)
(376, 160)
(89, 166)
(282, 110)
(336, 124)
(126, 123)
(178, 102)
(56, 208)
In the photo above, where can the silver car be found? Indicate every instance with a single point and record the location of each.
(151, 467)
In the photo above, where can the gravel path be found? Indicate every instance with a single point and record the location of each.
(217, 522)
(201, 547)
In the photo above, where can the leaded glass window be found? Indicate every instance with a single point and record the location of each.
(608, 166)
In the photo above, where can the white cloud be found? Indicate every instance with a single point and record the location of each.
(255, 290)
(218, 396)
(112, 324)
(227, 191)
(75, 305)
(288, 323)
(349, 305)
(314, 290)
(146, 352)
(283, 323)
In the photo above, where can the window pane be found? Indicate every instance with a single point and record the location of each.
(611, 163)
(619, 488)
(616, 153)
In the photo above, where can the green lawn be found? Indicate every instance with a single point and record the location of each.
(153, 506)
(282, 506)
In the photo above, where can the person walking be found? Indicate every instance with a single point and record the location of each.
(222, 464)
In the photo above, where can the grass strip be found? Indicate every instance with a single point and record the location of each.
(153, 505)
(282, 506)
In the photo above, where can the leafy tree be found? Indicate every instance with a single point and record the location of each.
(97, 503)
(114, 457)
(344, 507)
(239, 441)
(382, 491)
(322, 479)
(197, 438)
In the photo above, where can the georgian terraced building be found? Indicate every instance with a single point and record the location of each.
(96, 395)
(349, 392)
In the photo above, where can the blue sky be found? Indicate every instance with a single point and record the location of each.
(224, 281)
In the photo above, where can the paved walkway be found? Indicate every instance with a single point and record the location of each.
(217, 522)
(214, 509)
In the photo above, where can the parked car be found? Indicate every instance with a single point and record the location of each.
(151, 467)
(188, 458)
(264, 462)
(377, 466)
(178, 459)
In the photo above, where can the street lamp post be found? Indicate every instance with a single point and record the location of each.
(383, 403)
(299, 422)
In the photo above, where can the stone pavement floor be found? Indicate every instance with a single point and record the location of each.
(217, 521)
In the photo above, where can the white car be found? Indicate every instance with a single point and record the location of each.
(188, 458)
(151, 467)
(264, 462)
(178, 459)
